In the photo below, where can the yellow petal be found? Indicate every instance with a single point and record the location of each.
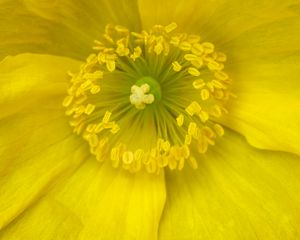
(63, 27)
(28, 80)
(238, 192)
(36, 142)
(78, 14)
(265, 43)
(45, 220)
(216, 20)
(182, 12)
(231, 18)
(110, 203)
(266, 81)
(36, 148)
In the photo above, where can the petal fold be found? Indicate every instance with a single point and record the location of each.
(36, 142)
(264, 66)
(113, 204)
(238, 192)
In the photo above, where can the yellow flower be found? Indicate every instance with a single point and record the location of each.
(176, 120)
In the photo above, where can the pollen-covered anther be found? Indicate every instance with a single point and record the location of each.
(171, 27)
(180, 120)
(136, 53)
(176, 66)
(194, 72)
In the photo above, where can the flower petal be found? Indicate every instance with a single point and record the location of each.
(62, 27)
(46, 220)
(216, 20)
(113, 204)
(261, 39)
(36, 142)
(265, 70)
(28, 80)
(238, 192)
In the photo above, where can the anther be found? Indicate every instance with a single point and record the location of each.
(180, 120)
(176, 66)
(194, 72)
(171, 27)
(198, 84)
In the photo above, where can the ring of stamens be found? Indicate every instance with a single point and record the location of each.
(169, 85)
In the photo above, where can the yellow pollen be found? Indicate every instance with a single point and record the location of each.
(204, 94)
(219, 129)
(89, 109)
(68, 100)
(185, 46)
(106, 117)
(133, 70)
(190, 57)
(194, 72)
(188, 139)
(197, 49)
(197, 63)
(208, 47)
(176, 66)
(192, 128)
(180, 120)
(199, 83)
(128, 157)
(171, 27)
(136, 53)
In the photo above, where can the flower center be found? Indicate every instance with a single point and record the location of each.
(145, 91)
(149, 100)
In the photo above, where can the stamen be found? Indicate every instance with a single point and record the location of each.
(204, 94)
(156, 72)
(194, 72)
(180, 120)
(176, 66)
(171, 27)
(199, 83)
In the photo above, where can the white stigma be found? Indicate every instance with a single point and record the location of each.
(140, 96)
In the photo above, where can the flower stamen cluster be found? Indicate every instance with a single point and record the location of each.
(149, 100)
